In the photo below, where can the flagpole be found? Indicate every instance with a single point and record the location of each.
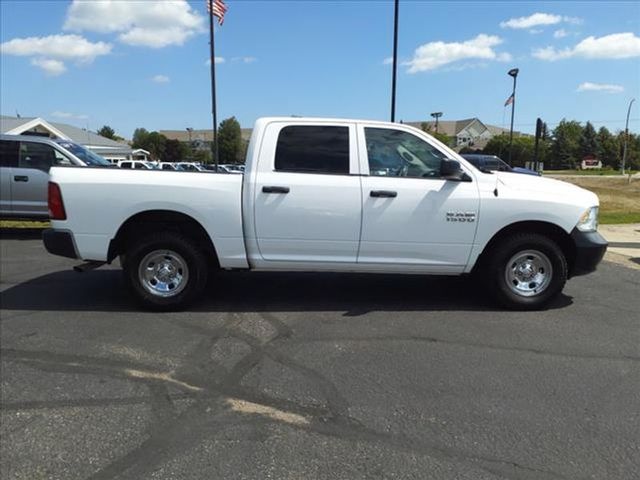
(512, 73)
(214, 145)
(395, 61)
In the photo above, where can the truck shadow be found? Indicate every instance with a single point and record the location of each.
(354, 294)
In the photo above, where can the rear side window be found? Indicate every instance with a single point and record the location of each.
(313, 149)
(9, 153)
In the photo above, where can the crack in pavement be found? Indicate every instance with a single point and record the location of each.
(219, 401)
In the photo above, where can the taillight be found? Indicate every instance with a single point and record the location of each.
(56, 205)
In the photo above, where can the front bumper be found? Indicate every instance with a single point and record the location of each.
(59, 242)
(590, 248)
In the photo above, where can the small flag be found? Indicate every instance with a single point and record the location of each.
(509, 100)
(217, 8)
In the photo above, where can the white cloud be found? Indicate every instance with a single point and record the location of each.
(52, 51)
(160, 79)
(67, 115)
(561, 33)
(51, 67)
(538, 20)
(433, 55)
(600, 87)
(614, 46)
(535, 20)
(218, 60)
(62, 47)
(152, 23)
(245, 59)
(388, 61)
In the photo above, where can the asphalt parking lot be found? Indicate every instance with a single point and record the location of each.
(311, 376)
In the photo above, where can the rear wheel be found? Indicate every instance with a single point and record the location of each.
(526, 271)
(165, 270)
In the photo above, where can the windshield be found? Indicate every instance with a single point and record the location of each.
(87, 156)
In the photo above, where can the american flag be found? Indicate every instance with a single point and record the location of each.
(217, 8)
(509, 100)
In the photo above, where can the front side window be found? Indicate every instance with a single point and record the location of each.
(84, 154)
(313, 149)
(40, 156)
(396, 153)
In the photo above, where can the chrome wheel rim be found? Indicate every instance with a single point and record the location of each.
(528, 273)
(163, 273)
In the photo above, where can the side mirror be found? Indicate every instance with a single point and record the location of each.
(451, 170)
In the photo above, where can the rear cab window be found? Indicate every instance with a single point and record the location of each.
(316, 149)
(9, 151)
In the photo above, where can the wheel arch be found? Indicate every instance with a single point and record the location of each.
(149, 221)
(550, 230)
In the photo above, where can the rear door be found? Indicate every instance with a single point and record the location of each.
(8, 161)
(307, 197)
(30, 178)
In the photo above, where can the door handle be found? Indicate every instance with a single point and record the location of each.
(21, 178)
(384, 193)
(275, 189)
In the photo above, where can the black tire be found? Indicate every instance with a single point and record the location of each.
(502, 258)
(192, 265)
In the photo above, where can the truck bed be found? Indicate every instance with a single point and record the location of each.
(97, 201)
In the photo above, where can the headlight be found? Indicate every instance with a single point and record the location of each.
(589, 220)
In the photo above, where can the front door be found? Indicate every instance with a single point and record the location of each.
(413, 218)
(307, 200)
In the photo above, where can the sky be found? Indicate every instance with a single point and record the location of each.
(143, 63)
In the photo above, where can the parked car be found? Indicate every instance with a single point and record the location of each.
(233, 168)
(493, 163)
(191, 167)
(168, 166)
(136, 164)
(311, 200)
(25, 161)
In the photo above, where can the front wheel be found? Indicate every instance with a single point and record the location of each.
(165, 271)
(527, 271)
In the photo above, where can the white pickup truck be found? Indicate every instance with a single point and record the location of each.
(329, 195)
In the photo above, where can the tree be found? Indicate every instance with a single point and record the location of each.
(140, 136)
(153, 142)
(107, 132)
(523, 149)
(608, 151)
(174, 151)
(565, 149)
(437, 135)
(230, 141)
(588, 141)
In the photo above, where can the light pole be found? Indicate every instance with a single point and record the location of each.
(190, 130)
(626, 136)
(396, 7)
(512, 73)
(436, 115)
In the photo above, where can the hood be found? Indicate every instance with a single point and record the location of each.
(548, 187)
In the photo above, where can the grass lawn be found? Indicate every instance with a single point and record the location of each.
(23, 224)
(619, 199)
(605, 171)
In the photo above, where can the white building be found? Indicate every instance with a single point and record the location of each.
(105, 147)
(470, 132)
